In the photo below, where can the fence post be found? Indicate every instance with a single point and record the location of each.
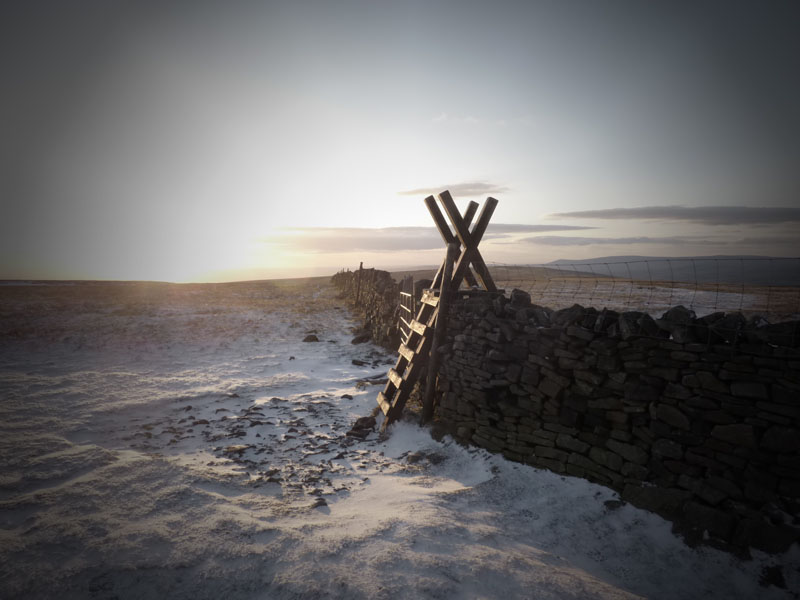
(358, 285)
(438, 332)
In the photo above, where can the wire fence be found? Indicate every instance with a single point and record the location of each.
(769, 287)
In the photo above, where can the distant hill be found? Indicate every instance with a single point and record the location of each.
(746, 270)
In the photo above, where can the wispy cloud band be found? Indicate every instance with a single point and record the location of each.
(557, 240)
(388, 239)
(708, 215)
(470, 188)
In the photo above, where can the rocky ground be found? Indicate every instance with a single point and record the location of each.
(185, 442)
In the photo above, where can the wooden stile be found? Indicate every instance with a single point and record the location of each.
(414, 351)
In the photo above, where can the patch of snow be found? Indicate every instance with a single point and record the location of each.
(196, 448)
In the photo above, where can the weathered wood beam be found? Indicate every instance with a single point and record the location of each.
(438, 335)
(448, 237)
(470, 240)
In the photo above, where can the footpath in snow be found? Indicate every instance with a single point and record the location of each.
(174, 441)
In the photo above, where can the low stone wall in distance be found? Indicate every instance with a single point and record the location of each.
(695, 419)
(373, 296)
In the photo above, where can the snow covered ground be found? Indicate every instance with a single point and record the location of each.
(183, 441)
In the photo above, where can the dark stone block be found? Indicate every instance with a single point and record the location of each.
(629, 452)
(589, 318)
(604, 320)
(718, 523)
(608, 363)
(718, 417)
(664, 501)
(571, 443)
(677, 321)
(702, 403)
(774, 539)
(568, 316)
(681, 468)
(725, 485)
(667, 449)
(749, 389)
(520, 298)
(672, 416)
(739, 435)
(781, 439)
(782, 334)
(552, 453)
(729, 328)
(582, 333)
(641, 393)
(708, 381)
(634, 471)
(540, 315)
(703, 332)
(604, 346)
(607, 459)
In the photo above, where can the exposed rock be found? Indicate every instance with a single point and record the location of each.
(729, 328)
(628, 451)
(568, 316)
(604, 320)
(361, 338)
(635, 323)
(520, 299)
(362, 427)
(781, 439)
(237, 449)
(664, 501)
(772, 575)
(718, 523)
(540, 315)
(739, 434)
(311, 338)
(750, 389)
(677, 321)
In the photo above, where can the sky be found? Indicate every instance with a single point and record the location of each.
(214, 141)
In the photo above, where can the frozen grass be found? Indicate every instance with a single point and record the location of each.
(182, 441)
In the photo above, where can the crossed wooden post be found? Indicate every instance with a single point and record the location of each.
(470, 240)
(463, 262)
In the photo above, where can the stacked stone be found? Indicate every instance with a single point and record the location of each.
(375, 299)
(705, 433)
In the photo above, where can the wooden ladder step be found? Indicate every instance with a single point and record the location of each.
(430, 298)
(395, 378)
(406, 352)
(384, 403)
(418, 327)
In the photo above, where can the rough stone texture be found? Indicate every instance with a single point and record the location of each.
(738, 434)
(695, 418)
(376, 301)
(781, 439)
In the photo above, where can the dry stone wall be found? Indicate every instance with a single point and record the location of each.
(374, 296)
(696, 419)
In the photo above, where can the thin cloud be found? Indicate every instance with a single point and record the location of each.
(708, 215)
(472, 188)
(444, 117)
(772, 240)
(387, 239)
(557, 240)
(353, 239)
(516, 228)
